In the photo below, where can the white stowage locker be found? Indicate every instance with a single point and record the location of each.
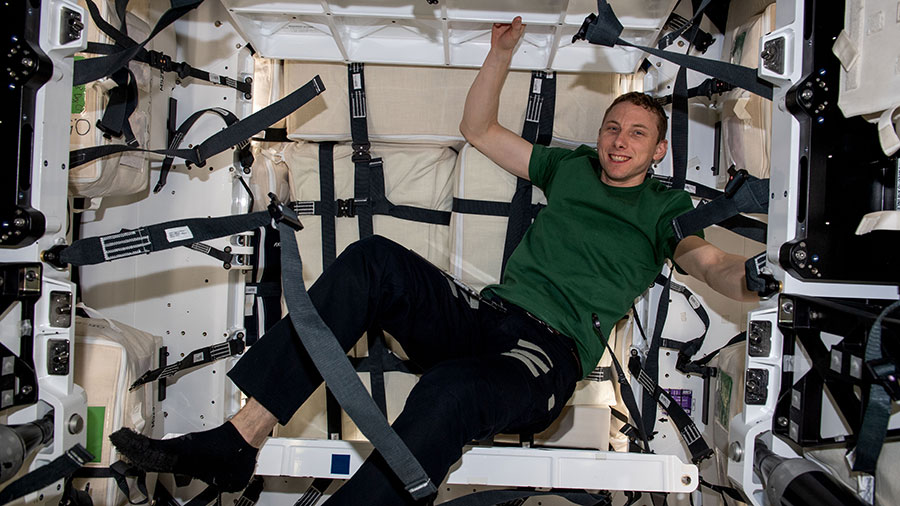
(125, 173)
(110, 357)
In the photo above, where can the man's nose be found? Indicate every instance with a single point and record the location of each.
(619, 141)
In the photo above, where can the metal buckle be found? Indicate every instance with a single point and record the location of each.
(361, 153)
(276, 209)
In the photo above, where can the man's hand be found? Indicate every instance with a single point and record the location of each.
(505, 36)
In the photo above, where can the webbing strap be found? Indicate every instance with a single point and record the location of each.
(691, 435)
(491, 497)
(171, 234)
(878, 409)
(537, 129)
(679, 130)
(605, 29)
(232, 136)
(206, 496)
(687, 349)
(92, 69)
(751, 195)
(251, 493)
(243, 148)
(624, 388)
(196, 358)
(164, 62)
(334, 366)
(326, 200)
(61, 467)
(651, 363)
(121, 103)
(119, 471)
(312, 494)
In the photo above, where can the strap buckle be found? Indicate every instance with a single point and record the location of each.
(160, 60)
(884, 373)
(361, 152)
(276, 209)
(346, 208)
(736, 179)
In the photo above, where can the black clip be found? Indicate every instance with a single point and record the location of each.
(361, 152)
(581, 34)
(160, 60)
(276, 209)
(884, 373)
(345, 208)
(736, 179)
(201, 160)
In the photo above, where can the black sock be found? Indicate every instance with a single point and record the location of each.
(219, 457)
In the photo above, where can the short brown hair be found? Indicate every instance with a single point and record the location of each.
(647, 102)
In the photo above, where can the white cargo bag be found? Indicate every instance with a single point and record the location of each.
(123, 173)
(425, 104)
(110, 356)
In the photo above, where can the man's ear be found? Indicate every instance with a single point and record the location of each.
(660, 152)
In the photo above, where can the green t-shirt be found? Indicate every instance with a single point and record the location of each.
(593, 249)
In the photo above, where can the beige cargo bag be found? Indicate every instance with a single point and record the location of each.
(746, 117)
(110, 357)
(425, 104)
(123, 173)
(414, 175)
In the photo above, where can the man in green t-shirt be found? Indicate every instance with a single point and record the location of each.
(606, 230)
(504, 361)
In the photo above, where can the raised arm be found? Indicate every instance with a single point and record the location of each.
(479, 123)
(723, 272)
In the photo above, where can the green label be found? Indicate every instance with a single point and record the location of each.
(78, 95)
(723, 399)
(96, 416)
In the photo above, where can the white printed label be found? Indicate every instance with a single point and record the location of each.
(214, 78)
(179, 234)
(198, 357)
(357, 81)
(536, 87)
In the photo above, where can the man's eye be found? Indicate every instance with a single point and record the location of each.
(639, 132)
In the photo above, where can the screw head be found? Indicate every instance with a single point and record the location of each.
(76, 423)
(735, 451)
(782, 421)
(787, 306)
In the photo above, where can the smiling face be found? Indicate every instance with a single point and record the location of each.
(627, 144)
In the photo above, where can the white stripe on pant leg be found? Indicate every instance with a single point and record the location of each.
(524, 360)
(551, 402)
(531, 346)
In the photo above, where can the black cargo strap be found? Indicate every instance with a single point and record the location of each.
(243, 156)
(251, 493)
(691, 435)
(164, 62)
(315, 491)
(60, 468)
(688, 349)
(604, 29)
(489, 207)
(334, 366)
(92, 69)
(651, 364)
(492, 497)
(884, 388)
(263, 294)
(171, 234)
(119, 471)
(194, 359)
(743, 194)
(206, 496)
(625, 391)
(122, 101)
(234, 135)
(707, 88)
(155, 59)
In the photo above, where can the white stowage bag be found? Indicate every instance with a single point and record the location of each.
(425, 104)
(110, 356)
(124, 173)
(746, 117)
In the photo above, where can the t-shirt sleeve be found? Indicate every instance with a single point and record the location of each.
(543, 164)
(679, 204)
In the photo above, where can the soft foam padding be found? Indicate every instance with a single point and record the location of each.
(425, 104)
(747, 118)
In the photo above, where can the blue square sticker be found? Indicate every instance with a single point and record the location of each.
(340, 464)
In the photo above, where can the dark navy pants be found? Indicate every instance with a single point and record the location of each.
(487, 370)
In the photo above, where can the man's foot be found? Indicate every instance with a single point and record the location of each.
(219, 457)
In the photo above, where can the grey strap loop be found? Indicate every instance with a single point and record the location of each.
(339, 374)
